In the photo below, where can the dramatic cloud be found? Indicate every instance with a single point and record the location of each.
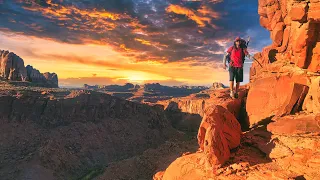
(144, 30)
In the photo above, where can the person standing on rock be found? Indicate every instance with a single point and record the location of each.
(236, 55)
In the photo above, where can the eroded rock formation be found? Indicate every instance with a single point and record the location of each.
(294, 28)
(12, 68)
(43, 79)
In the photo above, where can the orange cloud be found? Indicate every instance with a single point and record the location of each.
(91, 20)
(143, 41)
(201, 20)
(204, 10)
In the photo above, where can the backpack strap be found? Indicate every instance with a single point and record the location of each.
(243, 55)
(231, 61)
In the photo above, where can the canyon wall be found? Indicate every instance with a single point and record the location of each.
(294, 27)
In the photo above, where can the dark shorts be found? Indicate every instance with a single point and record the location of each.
(236, 73)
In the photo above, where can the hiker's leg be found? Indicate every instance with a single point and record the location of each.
(231, 77)
(239, 78)
(237, 87)
(231, 85)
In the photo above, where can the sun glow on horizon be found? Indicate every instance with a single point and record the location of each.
(71, 61)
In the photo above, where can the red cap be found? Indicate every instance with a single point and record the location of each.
(237, 39)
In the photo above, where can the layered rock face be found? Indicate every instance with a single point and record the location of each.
(12, 68)
(294, 27)
(194, 106)
(46, 79)
(51, 78)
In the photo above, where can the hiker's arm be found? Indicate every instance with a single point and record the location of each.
(225, 59)
(247, 53)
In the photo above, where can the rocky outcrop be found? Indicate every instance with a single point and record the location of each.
(296, 144)
(312, 101)
(294, 27)
(186, 112)
(195, 104)
(42, 79)
(219, 132)
(51, 79)
(12, 67)
(34, 75)
(280, 96)
(217, 85)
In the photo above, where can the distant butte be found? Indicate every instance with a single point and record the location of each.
(13, 71)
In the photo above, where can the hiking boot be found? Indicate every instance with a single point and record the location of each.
(231, 94)
(236, 95)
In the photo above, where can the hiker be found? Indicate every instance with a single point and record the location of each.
(236, 56)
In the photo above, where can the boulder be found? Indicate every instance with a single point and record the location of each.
(279, 96)
(295, 125)
(312, 101)
(314, 11)
(277, 33)
(188, 167)
(218, 133)
(294, 101)
(315, 61)
(298, 12)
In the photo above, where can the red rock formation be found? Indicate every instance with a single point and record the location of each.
(12, 67)
(294, 27)
(296, 144)
(195, 105)
(219, 132)
(42, 79)
(312, 101)
(217, 85)
(272, 96)
(295, 125)
(51, 78)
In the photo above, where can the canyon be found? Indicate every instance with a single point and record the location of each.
(271, 131)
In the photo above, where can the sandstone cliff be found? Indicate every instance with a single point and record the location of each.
(12, 68)
(294, 27)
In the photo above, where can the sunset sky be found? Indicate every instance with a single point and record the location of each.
(173, 42)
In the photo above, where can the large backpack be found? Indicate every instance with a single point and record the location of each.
(243, 45)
